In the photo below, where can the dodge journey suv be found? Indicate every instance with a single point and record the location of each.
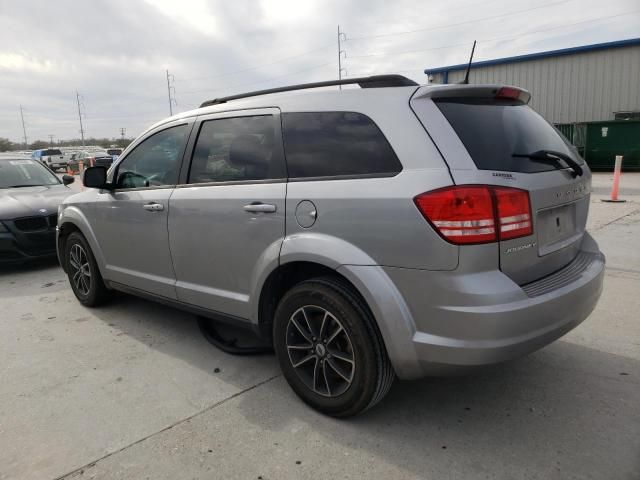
(368, 233)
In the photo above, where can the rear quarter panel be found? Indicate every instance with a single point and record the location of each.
(376, 216)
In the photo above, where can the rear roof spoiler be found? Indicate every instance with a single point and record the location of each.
(474, 91)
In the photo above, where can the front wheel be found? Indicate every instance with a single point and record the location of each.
(329, 348)
(82, 270)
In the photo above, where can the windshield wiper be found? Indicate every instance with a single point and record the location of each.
(551, 156)
(21, 186)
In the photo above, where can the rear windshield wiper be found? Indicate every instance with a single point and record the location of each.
(551, 156)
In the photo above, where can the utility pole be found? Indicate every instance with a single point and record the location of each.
(50, 140)
(24, 130)
(80, 117)
(172, 99)
(341, 36)
(122, 132)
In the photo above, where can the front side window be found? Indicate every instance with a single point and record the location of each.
(237, 149)
(154, 162)
(330, 144)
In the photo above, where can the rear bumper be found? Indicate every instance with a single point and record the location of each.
(461, 320)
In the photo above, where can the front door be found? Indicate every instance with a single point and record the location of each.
(130, 222)
(228, 220)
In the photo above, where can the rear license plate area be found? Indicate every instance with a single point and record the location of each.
(556, 228)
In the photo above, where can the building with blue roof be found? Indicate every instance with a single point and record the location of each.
(571, 85)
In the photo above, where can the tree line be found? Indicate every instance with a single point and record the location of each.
(8, 145)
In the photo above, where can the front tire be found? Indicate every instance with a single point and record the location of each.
(329, 348)
(82, 270)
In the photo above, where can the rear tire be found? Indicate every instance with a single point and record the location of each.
(82, 270)
(329, 348)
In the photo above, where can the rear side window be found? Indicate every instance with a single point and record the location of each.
(330, 144)
(237, 149)
(494, 130)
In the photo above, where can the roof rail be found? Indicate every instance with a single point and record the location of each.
(375, 81)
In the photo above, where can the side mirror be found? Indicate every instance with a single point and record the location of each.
(68, 179)
(95, 177)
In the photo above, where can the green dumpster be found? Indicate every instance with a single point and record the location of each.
(605, 140)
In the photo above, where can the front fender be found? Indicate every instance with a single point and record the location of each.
(74, 216)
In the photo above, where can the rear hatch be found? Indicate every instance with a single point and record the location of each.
(488, 135)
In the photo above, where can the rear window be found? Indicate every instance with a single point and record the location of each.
(330, 144)
(493, 131)
(51, 151)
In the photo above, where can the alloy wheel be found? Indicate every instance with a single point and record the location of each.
(80, 269)
(320, 351)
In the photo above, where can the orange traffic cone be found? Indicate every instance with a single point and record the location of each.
(617, 172)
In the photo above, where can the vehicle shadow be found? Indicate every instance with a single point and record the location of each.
(33, 277)
(29, 266)
(176, 333)
(565, 412)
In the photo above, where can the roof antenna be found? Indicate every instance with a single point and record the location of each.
(466, 76)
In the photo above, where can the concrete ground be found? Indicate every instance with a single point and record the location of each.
(132, 390)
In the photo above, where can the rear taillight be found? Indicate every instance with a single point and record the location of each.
(514, 212)
(469, 214)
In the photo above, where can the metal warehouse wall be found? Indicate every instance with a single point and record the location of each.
(580, 87)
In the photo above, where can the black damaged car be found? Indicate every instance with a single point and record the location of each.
(29, 197)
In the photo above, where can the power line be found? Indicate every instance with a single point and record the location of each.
(24, 130)
(466, 22)
(170, 87)
(80, 117)
(341, 36)
(259, 81)
(282, 60)
(503, 37)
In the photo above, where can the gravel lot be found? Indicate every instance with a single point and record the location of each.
(132, 390)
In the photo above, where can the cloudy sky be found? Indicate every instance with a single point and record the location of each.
(115, 52)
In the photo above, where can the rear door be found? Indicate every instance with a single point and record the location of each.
(483, 133)
(228, 220)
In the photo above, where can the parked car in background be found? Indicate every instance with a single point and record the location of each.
(114, 152)
(393, 230)
(51, 157)
(29, 197)
(89, 159)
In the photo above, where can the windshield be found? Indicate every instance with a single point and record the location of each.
(25, 173)
(51, 151)
(494, 130)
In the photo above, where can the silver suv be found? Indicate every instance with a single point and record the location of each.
(368, 233)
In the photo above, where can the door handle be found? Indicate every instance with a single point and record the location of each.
(153, 207)
(259, 208)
